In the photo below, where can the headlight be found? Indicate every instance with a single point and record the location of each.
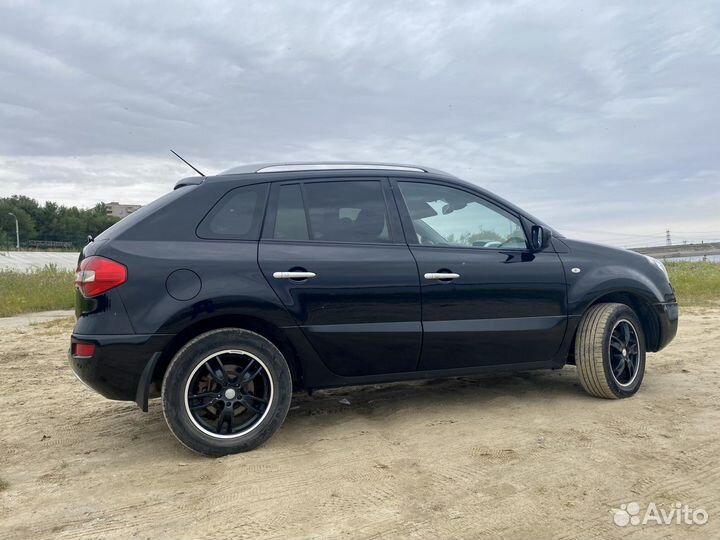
(660, 265)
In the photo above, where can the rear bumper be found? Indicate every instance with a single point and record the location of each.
(116, 368)
(667, 315)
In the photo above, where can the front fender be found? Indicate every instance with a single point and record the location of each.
(593, 271)
(587, 286)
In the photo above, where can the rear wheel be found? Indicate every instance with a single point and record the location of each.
(226, 391)
(610, 351)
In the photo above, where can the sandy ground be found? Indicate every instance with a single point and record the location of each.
(9, 324)
(523, 456)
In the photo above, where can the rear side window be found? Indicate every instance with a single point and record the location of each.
(332, 212)
(237, 216)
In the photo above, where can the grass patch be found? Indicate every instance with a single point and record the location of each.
(37, 290)
(3, 485)
(695, 283)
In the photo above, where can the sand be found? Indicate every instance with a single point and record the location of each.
(521, 456)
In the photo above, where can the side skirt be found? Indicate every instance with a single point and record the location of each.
(338, 381)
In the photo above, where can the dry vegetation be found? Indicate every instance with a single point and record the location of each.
(37, 290)
(695, 283)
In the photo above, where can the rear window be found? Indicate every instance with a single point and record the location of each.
(237, 216)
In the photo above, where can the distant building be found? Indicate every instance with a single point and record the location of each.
(120, 210)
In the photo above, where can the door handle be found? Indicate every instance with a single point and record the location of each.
(294, 275)
(441, 275)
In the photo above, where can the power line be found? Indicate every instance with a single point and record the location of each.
(615, 233)
(657, 235)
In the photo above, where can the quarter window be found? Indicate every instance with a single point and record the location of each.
(237, 215)
(445, 216)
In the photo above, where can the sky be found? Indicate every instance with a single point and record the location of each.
(601, 118)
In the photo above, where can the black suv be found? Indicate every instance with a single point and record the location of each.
(230, 292)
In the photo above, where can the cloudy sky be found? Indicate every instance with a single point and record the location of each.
(602, 118)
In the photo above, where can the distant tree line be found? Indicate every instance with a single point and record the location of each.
(50, 222)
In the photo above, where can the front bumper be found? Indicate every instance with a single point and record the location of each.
(667, 315)
(116, 368)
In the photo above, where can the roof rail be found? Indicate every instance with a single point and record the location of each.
(337, 166)
(323, 166)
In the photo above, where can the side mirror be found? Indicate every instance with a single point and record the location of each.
(539, 238)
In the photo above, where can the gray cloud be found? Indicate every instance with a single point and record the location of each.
(602, 117)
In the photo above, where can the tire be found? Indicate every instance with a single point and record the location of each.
(228, 412)
(608, 367)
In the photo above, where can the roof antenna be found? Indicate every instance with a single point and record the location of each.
(186, 162)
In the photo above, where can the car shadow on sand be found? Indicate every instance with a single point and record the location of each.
(326, 409)
(475, 391)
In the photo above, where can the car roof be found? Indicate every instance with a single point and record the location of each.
(276, 172)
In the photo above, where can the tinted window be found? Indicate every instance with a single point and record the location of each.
(447, 216)
(237, 215)
(143, 212)
(347, 211)
(290, 221)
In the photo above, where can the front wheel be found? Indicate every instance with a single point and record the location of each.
(226, 391)
(610, 351)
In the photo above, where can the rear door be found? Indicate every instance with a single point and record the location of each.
(486, 298)
(333, 252)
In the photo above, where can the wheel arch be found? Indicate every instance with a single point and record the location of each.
(268, 330)
(641, 305)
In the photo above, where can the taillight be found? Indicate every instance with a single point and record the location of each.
(97, 275)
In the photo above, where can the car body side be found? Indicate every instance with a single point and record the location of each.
(139, 326)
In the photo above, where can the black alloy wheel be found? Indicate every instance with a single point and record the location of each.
(624, 353)
(228, 392)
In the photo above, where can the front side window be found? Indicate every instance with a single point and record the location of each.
(347, 211)
(445, 216)
(237, 216)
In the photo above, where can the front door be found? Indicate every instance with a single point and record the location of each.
(334, 254)
(486, 298)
